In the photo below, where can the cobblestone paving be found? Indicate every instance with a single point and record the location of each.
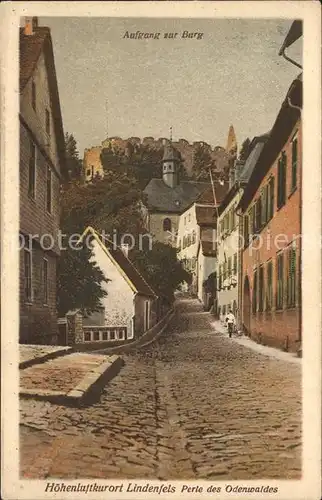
(60, 374)
(193, 405)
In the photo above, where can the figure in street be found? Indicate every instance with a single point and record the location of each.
(231, 321)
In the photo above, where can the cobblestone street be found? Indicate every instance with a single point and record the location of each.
(195, 404)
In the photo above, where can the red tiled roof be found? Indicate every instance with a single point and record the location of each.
(138, 282)
(130, 270)
(206, 216)
(208, 195)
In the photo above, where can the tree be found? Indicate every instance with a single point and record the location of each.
(112, 205)
(73, 162)
(202, 161)
(79, 282)
(140, 161)
(244, 150)
(161, 268)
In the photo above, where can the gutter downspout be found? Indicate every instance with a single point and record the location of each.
(282, 53)
(240, 270)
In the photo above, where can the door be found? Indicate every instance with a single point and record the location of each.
(246, 305)
(146, 315)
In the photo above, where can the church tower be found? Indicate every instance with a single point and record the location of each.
(231, 142)
(170, 166)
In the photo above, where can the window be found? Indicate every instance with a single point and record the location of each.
(146, 315)
(271, 200)
(253, 219)
(189, 217)
(193, 236)
(87, 336)
(291, 277)
(264, 206)
(179, 244)
(258, 215)
(225, 270)
(167, 224)
(233, 217)
(246, 229)
(269, 288)
(220, 276)
(235, 264)
(122, 334)
(222, 228)
(33, 95)
(281, 181)
(112, 334)
(188, 240)
(105, 335)
(96, 335)
(45, 280)
(255, 292)
(261, 289)
(229, 267)
(49, 190)
(279, 281)
(32, 170)
(28, 275)
(294, 163)
(47, 122)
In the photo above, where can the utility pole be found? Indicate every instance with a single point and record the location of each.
(106, 117)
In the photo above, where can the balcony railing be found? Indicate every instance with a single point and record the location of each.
(104, 333)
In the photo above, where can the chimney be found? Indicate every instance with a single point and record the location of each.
(30, 24)
(125, 249)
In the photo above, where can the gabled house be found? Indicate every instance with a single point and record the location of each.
(196, 236)
(271, 209)
(129, 308)
(42, 164)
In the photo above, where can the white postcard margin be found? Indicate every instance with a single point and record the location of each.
(309, 486)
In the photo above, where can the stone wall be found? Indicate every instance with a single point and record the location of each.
(92, 163)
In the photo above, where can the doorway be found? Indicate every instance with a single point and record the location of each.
(246, 305)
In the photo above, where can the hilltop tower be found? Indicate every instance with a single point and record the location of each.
(231, 147)
(170, 166)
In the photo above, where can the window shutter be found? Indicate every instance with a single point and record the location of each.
(294, 162)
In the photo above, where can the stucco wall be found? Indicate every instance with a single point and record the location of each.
(278, 327)
(119, 303)
(206, 266)
(229, 246)
(155, 225)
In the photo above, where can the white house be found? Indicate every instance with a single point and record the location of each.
(196, 240)
(128, 309)
(187, 242)
(228, 253)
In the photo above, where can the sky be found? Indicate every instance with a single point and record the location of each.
(231, 75)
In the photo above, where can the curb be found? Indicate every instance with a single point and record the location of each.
(87, 391)
(45, 357)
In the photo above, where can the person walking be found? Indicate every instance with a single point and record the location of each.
(231, 321)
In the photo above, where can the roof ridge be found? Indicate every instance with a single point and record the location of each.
(119, 248)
